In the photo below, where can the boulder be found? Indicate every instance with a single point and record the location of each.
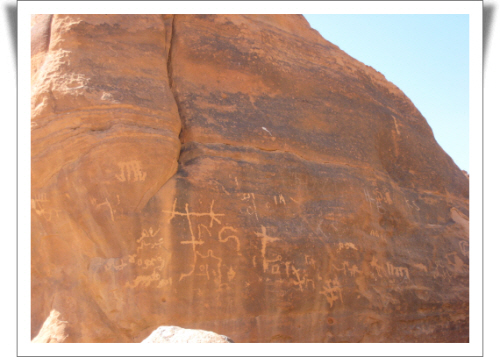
(174, 334)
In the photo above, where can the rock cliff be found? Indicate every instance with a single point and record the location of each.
(237, 174)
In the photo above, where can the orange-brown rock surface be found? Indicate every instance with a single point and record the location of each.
(237, 174)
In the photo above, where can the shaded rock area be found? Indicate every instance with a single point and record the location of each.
(236, 174)
(174, 334)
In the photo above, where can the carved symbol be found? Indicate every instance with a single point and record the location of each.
(464, 247)
(332, 291)
(287, 266)
(347, 245)
(105, 203)
(148, 234)
(145, 280)
(264, 240)
(252, 210)
(299, 281)
(377, 267)
(211, 214)
(231, 274)
(38, 204)
(130, 171)
(310, 261)
(275, 269)
(411, 205)
(237, 240)
(377, 201)
(397, 271)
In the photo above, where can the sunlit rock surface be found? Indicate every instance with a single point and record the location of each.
(237, 174)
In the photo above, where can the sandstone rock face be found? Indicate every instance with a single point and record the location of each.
(237, 174)
(174, 334)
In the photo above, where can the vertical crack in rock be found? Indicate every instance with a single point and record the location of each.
(170, 71)
(169, 37)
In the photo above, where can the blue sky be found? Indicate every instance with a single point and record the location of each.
(426, 56)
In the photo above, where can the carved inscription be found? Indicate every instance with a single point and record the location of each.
(130, 171)
(104, 204)
(265, 239)
(252, 208)
(332, 291)
(347, 245)
(397, 271)
(39, 205)
(377, 202)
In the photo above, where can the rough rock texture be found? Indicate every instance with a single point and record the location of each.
(53, 330)
(174, 334)
(238, 174)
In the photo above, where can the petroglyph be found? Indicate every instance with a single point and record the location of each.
(420, 266)
(215, 273)
(224, 240)
(194, 242)
(396, 125)
(377, 201)
(264, 240)
(342, 268)
(464, 247)
(39, 205)
(397, 271)
(183, 275)
(374, 233)
(152, 263)
(347, 245)
(280, 199)
(250, 210)
(164, 283)
(130, 171)
(204, 271)
(458, 264)
(353, 270)
(300, 282)
(213, 216)
(379, 269)
(412, 205)
(144, 280)
(105, 204)
(217, 183)
(332, 291)
(441, 272)
(39, 199)
(148, 234)
(275, 269)
(310, 261)
(231, 274)
(287, 267)
(311, 282)
(110, 265)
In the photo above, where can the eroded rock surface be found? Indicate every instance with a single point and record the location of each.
(237, 174)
